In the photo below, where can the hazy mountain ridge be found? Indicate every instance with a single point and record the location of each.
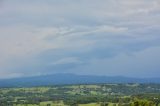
(59, 79)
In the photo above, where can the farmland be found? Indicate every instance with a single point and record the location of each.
(82, 95)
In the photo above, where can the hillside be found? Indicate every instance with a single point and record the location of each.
(59, 79)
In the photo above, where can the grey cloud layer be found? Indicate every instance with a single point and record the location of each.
(40, 37)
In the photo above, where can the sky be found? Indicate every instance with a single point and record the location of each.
(86, 37)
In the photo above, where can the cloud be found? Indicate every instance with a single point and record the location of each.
(66, 61)
(40, 37)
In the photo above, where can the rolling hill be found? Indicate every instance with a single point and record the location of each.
(59, 79)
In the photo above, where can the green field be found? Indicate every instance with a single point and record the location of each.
(83, 95)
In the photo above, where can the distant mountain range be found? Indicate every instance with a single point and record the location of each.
(59, 79)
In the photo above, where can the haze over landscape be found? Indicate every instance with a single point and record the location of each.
(83, 37)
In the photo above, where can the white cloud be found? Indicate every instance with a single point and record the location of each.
(67, 60)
